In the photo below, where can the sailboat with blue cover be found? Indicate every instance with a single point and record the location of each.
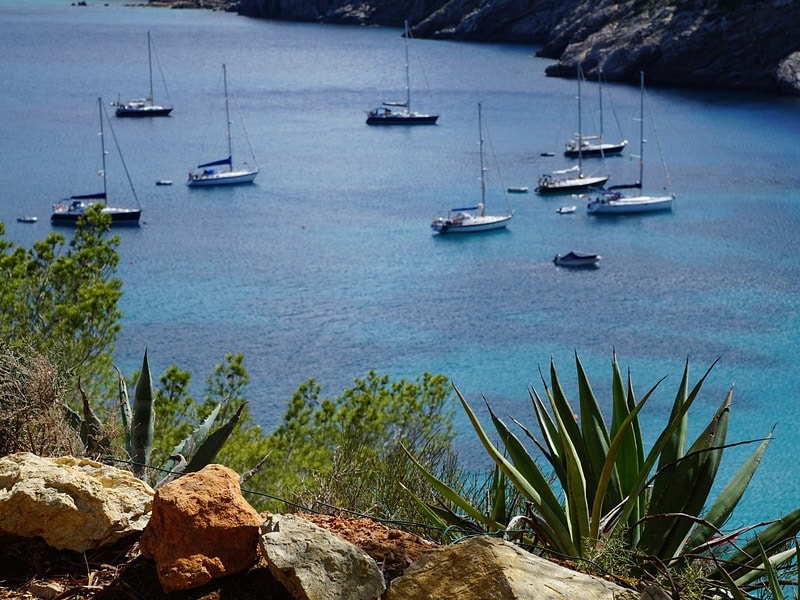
(209, 173)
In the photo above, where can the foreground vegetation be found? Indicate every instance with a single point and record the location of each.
(607, 499)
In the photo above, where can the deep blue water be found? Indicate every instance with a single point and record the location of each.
(327, 268)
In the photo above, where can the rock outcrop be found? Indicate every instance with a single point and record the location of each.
(489, 568)
(71, 503)
(724, 43)
(315, 564)
(201, 528)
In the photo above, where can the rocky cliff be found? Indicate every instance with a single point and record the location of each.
(695, 43)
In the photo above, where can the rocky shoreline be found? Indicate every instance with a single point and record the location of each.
(723, 43)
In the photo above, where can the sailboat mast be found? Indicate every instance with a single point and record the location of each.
(641, 128)
(483, 170)
(408, 78)
(600, 93)
(227, 113)
(150, 66)
(102, 148)
(580, 124)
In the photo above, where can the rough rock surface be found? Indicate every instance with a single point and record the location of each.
(201, 528)
(487, 568)
(315, 564)
(71, 503)
(729, 43)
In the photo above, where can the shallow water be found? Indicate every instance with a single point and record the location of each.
(327, 268)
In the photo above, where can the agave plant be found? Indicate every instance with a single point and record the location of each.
(197, 450)
(602, 481)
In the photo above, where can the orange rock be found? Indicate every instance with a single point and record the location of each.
(202, 528)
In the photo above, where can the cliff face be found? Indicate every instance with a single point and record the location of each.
(725, 43)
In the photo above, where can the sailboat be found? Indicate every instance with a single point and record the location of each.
(210, 175)
(613, 201)
(572, 179)
(400, 113)
(143, 107)
(472, 219)
(594, 145)
(68, 210)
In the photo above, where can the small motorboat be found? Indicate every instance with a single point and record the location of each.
(565, 210)
(577, 259)
(27, 219)
(164, 182)
(519, 189)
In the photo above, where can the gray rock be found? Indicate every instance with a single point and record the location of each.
(314, 564)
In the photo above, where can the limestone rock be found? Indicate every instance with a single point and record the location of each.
(721, 44)
(487, 568)
(71, 503)
(201, 528)
(314, 564)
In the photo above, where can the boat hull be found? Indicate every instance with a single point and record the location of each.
(632, 205)
(120, 217)
(577, 260)
(576, 184)
(594, 150)
(402, 119)
(475, 225)
(148, 111)
(225, 178)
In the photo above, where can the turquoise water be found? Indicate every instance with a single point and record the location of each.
(327, 268)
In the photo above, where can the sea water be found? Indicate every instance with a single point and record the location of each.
(326, 267)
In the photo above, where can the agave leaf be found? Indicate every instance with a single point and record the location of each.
(576, 496)
(686, 484)
(620, 438)
(497, 496)
(661, 442)
(443, 517)
(92, 427)
(553, 517)
(673, 448)
(125, 410)
(450, 495)
(187, 447)
(526, 465)
(728, 498)
(772, 577)
(628, 459)
(566, 420)
(209, 447)
(143, 422)
(733, 589)
(552, 437)
(676, 446)
(594, 432)
(776, 535)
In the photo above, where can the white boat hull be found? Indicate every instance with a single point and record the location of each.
(224, 178)
(443, 225)
(631, 205)
(555, 185)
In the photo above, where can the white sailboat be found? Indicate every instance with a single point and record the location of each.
(68, 210)
(143, 107)
(207, 174)
(400, 113)
(613, 202)
(472, 219)
(572, 179)
(594, 145)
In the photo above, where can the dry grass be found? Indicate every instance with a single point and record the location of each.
(32, 417)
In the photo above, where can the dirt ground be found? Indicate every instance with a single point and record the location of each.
(121, 573)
